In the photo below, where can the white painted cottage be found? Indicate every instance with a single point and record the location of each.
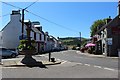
(12, 31)
(39, 36)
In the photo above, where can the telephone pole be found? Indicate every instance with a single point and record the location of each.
(23, 17)
(80, 39)
(22, 23)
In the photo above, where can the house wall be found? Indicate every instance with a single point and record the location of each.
(32, 35)
(12, 32)
(37, 37)
(113, 49)
(42, 37)
(104, 41)
(11, 35)
(1, 41)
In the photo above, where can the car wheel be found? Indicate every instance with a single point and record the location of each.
(13, 55)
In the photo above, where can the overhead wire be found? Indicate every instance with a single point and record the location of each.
(40, 16)
(11, 5)
(50, 21)
(4, 15)
(31, 4)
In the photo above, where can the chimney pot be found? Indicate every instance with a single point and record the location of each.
(108, 20)
(15, 12)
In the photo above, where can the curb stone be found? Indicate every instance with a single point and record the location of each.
(19, 64)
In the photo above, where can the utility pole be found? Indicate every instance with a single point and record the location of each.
(22, 23)
(80, 39)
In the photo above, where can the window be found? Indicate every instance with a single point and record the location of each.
(34, 35)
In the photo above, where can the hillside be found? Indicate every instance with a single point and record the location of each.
(73, 41)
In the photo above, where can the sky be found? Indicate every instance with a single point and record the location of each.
(72, 17)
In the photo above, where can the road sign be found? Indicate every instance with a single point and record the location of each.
(109, 41)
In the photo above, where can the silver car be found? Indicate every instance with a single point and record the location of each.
(8, 53)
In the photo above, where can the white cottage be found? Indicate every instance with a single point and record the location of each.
(12, 31)
(39, 36)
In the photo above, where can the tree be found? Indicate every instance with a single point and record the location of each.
(96, 24)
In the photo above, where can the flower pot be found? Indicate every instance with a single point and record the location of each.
(28, 52)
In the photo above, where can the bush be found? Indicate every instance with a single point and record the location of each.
(74, 48)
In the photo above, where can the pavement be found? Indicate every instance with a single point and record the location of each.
(93, 55)
(16, 62)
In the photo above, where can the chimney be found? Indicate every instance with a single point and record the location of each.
(15, 16)
(46, 33)
(37, 25)
(40, 28)
(108, 20)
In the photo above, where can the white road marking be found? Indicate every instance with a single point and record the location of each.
(97, 66)
(87, 64)
(80, 63)
(63, 62)
(109, 69)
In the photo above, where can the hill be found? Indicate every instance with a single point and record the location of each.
(73, 41)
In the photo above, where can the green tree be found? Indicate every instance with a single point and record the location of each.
(96, 24)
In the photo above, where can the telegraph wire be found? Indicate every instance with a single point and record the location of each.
(31, 4)
(50, 21)
(39, 16)
(11, 5)
(5, 15)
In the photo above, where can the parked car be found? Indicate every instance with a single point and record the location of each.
(8, 53)
(55, 49)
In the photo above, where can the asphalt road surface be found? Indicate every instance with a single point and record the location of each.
(78, 57)
(74, 65)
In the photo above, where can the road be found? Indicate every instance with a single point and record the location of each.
(74, 65)
(78, 57)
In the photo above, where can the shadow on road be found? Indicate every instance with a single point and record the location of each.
(36, 64)
(29, 61)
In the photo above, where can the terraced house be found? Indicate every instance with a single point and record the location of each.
(13, 32)
(108, 37)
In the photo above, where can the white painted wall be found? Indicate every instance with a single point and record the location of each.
(37, 37)
(32, 35)
(12, 31)
(1, 40)
(42, 37)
